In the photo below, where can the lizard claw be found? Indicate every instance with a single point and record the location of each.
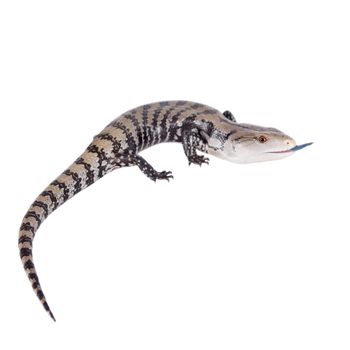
(163, 175)
(197, 159)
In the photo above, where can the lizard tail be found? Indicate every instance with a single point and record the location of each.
(82, 173)
(44, 204)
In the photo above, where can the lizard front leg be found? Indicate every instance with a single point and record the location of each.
(229, 116)
(191, 142)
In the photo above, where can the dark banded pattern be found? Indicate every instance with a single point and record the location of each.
(82, 173)
(118, 146)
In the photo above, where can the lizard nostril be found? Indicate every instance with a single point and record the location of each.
(290, 143)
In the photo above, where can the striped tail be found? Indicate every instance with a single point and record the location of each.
(92, 165)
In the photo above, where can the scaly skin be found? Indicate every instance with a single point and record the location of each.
(196, 126)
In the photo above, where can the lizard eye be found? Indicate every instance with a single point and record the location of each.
(262, 139)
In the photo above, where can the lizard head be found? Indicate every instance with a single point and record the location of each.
(248, 143)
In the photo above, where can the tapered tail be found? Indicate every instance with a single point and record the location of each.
(25, 243)
(44, 205)
(94, 163)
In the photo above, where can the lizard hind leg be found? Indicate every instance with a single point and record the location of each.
(149, 171)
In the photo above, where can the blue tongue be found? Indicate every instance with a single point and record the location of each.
(298, 147)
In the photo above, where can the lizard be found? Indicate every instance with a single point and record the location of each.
(196, 126)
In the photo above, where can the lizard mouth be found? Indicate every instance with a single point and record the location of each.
(294, 149)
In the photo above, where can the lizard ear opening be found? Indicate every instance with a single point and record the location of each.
(204, 136)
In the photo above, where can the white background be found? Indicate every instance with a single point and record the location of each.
(223, 257)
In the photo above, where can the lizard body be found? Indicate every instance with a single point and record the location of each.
(197, 126)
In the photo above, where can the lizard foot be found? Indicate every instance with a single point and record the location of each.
(162, 175)
(197, 159)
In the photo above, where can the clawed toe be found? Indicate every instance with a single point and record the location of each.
(197, 159)
(163, 175)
